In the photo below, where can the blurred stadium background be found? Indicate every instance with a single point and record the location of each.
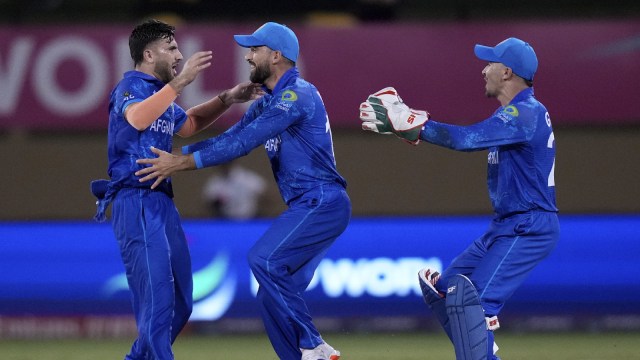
(60, 272)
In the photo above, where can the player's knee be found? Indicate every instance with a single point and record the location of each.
(257, 261)
(254, 260)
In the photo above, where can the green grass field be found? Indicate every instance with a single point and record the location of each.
(360, 346)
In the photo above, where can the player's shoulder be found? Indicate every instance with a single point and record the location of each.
(527, 102)
(126, 93)
(128, 84)
(509, 113)
(293, 95)
(298, 89)
(286, 98)
(523, 109)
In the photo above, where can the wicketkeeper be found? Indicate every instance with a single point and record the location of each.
(468, 296)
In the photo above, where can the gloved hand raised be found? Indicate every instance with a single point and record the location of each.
(385, 113)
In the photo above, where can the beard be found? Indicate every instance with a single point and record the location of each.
(164, 72)
(260, 74)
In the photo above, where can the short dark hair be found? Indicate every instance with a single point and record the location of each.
(146, 33)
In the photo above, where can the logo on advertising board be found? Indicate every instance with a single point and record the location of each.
(214, 288)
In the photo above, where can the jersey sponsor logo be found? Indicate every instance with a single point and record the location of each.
(493, 158)
(289, 95)
(162, 126)
(286, 101)
(511, 110)
(284, 106)
(509, 113)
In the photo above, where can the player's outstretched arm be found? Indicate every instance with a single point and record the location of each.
(242, 92)
(164, 166)
(384, 112)
(202, 116)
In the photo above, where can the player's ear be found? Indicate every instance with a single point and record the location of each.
(147, 55)
(507, 73)
(276, 57)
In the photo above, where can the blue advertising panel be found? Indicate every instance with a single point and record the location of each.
(74, 268)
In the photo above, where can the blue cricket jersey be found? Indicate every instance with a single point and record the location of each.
(125, 143)
(521, 158)
(292, 124)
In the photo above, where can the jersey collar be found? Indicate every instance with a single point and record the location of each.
(287, 78)
(522, 95)
(143, 76)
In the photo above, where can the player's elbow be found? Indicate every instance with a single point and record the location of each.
(188, 129)
(137, 123)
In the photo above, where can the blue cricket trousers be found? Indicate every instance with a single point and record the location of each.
(158, 266)
(500, 260)
(284, 260)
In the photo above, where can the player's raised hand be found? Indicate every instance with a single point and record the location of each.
(163, 166)
(191, 68)
(242, 92)
(384, 112)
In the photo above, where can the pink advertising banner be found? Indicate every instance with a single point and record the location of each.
(59, 77)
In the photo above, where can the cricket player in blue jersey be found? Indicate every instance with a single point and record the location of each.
(142, 113)
(291, 122)
(469, 294)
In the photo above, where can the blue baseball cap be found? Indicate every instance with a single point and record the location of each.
(275, 36)
(513, 53)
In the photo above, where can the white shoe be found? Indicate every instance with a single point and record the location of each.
(323, 351)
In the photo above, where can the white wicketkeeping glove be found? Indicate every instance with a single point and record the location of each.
(385, 113)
